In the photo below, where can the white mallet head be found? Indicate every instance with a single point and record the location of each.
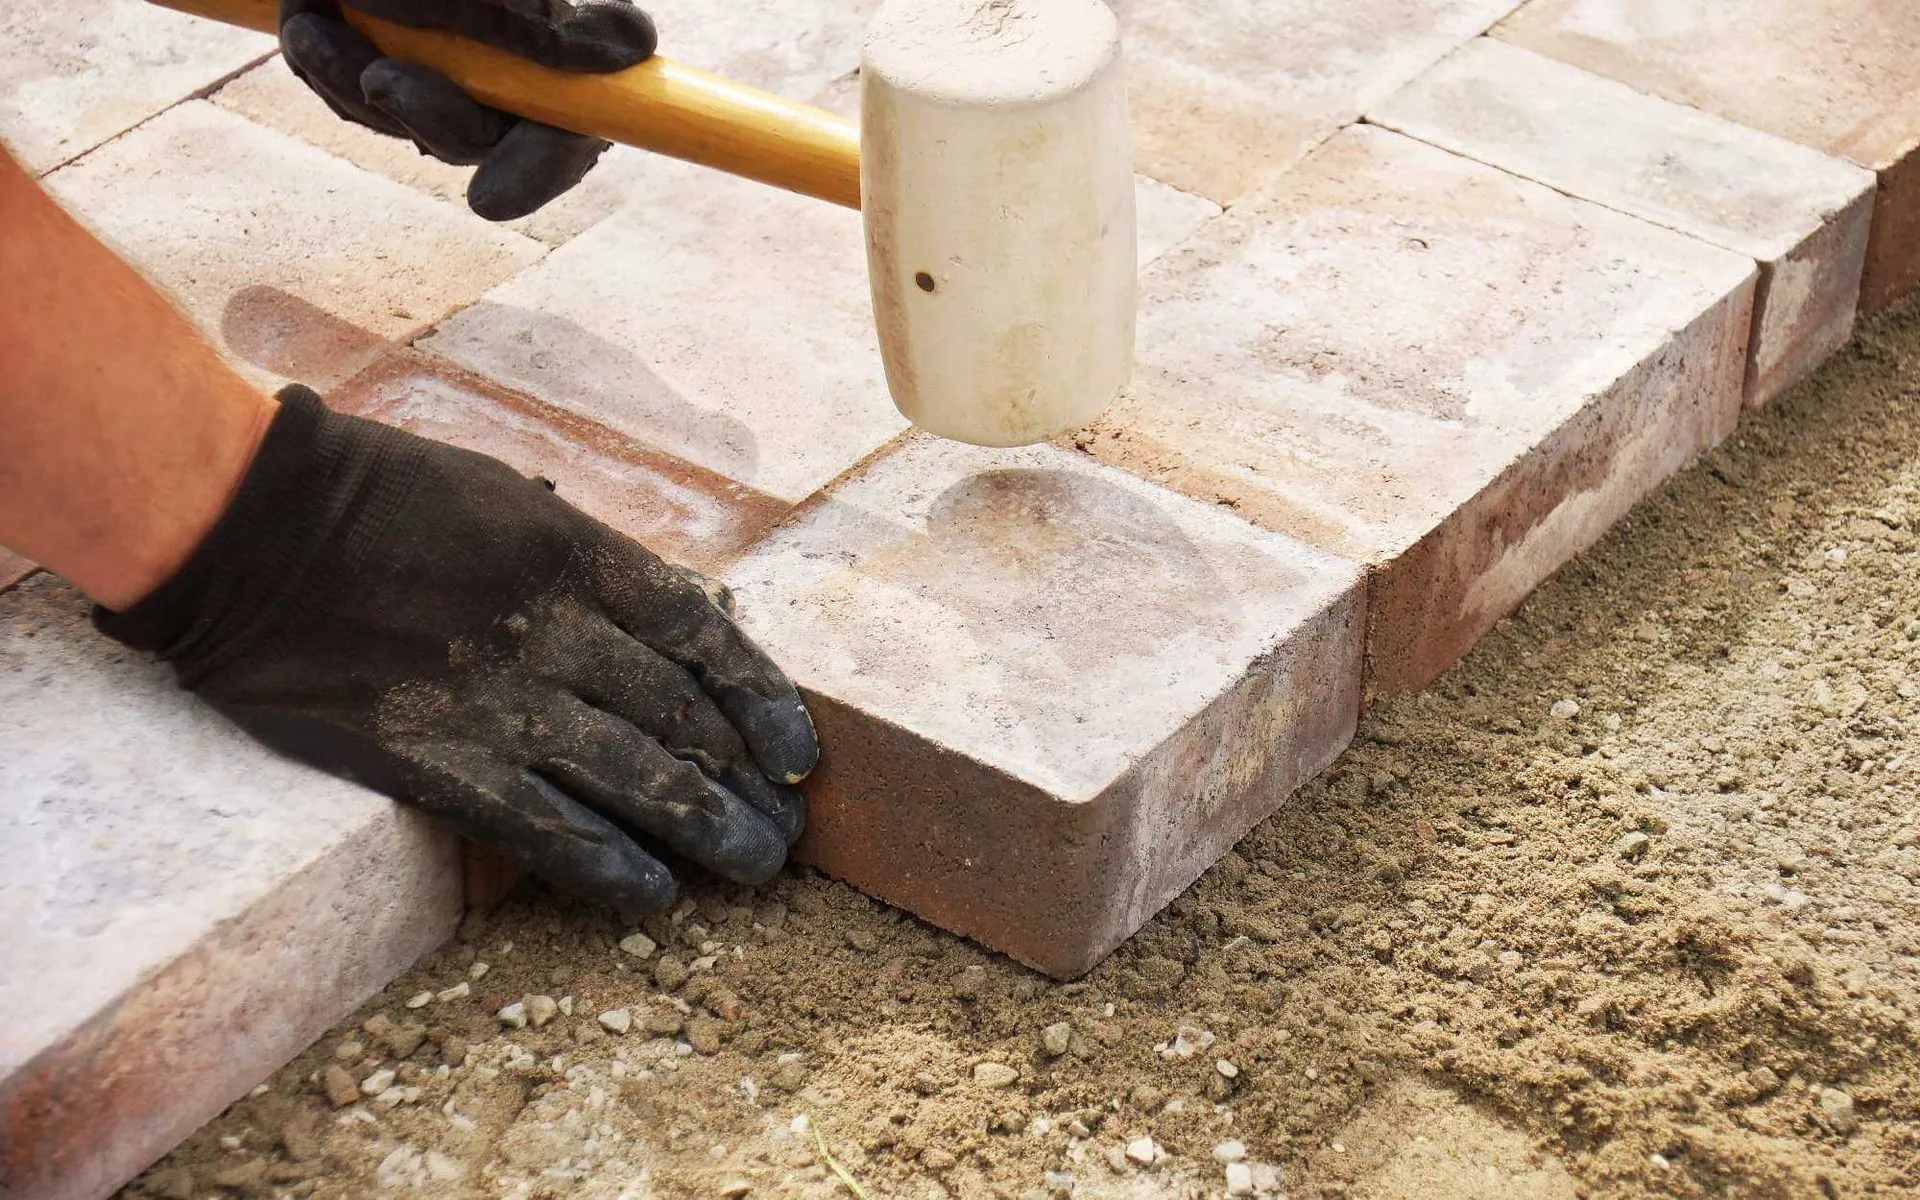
(996, 180)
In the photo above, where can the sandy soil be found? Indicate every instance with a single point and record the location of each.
(1627, 904)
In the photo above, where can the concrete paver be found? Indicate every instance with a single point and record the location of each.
(1417, 361)
(1050, 694)
(722, 321)
(1804, 217)
(77, 73)
(1225, 96)
(1841, 76)
(681, 512)
(302, 266)
(181, 910)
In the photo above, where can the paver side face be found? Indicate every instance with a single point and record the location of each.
(1802, 215)
(301, 266)
(77, 73)
(1433, 602)
(201, 908)
(1841, 76)
(1224, 96)
(719, 320)
(1355, 354)
(13, 568)
(678, 511)
(997, 639)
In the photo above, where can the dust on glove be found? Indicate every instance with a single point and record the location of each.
(522, 164)
(428, 622)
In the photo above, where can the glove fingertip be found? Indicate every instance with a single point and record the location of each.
(781, 736)
(602, 36)
(531, 166)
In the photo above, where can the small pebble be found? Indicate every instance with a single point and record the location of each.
(703, 1034)
(995, 1075)
(936, 1159)
(1227, 1070)
(1142, 1151)
(1633, 845)
(1565, 710)
(340, 1088)
(419, 999)
(1232, 1150)
(1056, 1038)
(617, 1020)
(668, 973)
(566, 1006)
(459, 991)
(376, 1083)
(404, 1040)
(540, 1010)
(1117, 1159)
(1836, 1108)
(349, 1050)
(638, 944)
(1239, 1179)
(1660, 1161)
(514, 1015)
(478, 971)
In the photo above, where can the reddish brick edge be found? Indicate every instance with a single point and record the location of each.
(1893, 253)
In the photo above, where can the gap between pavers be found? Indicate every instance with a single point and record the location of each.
(1050, 694)
(1226, 96)
(1840, 76)
(1416, 361)
(181, 910)
(1802, 216)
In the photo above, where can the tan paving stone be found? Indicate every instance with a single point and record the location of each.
(1841, 76)
(1414, 360)
(302, 266)
(719, 320)
(1225, 96)
(1804, 217)
(1049, 694)
(181, 910)
(75, 73)
(681, 512)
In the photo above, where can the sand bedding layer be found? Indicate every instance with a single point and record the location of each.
(1627, 904)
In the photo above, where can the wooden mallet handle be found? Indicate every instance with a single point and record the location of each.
(659, 105)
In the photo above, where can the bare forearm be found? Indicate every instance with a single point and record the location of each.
(122, 432)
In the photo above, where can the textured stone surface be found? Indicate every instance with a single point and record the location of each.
(681, 512)
(1804, 217)
(1416, 361)
(722, 321)
(1050, 695)
(181, 911)
(1225, 96)
(1841, 76)
(77, 73)
(300, 265)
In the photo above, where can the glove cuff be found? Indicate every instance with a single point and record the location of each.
(320, 482)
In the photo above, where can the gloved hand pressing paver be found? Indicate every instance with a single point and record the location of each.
(522, 164)
(430, 623)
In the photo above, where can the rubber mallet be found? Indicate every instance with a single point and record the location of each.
(992, 164)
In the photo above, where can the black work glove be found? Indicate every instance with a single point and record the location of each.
(523, 164)
(432, 624)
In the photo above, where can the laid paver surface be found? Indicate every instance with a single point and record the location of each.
(75, 74)
(1840, 76)
(1401, 378)
(301, 266)
(1804, 217)
(1422, 363)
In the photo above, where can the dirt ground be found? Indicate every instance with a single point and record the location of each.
(1627, 904)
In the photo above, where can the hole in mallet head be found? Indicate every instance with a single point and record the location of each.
(925, 281)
